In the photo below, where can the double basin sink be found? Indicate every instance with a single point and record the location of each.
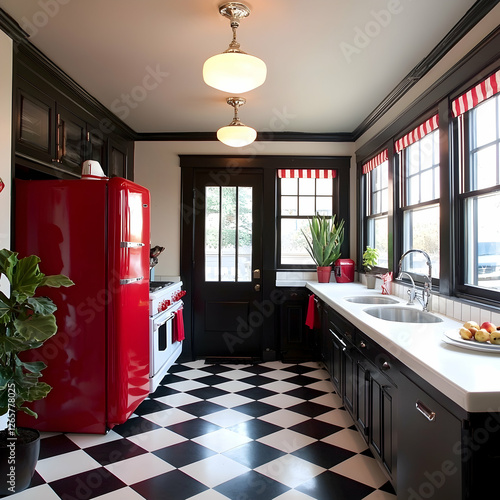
(388, 312)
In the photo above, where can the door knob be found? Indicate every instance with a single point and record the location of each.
(257, 287)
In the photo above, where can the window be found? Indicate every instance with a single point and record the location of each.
(377, 205)
(302, 194)
(478, 125)
(419, 197)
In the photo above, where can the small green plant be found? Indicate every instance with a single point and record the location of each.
(370, 258)
(26, 322)
(324, 240)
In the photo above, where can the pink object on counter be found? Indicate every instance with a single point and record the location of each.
(386, 283)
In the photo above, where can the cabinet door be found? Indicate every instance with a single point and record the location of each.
(97, 149)
(429, 465)
(297, 341)
(71, 140)
(361, 396)
(35, 123)
(337, 347)
(117, 160)
(382, 419)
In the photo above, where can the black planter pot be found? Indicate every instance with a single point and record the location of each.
(18, 459)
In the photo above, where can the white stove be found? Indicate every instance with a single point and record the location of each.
(165, 346)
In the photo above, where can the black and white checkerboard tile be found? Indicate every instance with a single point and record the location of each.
(218, 432)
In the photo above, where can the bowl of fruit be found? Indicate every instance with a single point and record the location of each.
(472, 335)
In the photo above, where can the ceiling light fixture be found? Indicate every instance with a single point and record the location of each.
(234, 71)
(236, 134)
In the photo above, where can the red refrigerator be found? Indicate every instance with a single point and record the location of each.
(97, 232)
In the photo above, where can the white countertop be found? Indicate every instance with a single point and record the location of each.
(469, 378)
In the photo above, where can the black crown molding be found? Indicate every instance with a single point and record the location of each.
(261, 136)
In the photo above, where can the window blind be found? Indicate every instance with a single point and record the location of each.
(476, 95)
(291, 173)
(417, 133)
(375, 162)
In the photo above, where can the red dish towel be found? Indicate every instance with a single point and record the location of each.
(312, 318)
(178, 326)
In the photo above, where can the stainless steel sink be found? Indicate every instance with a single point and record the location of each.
(402, 315)
(371, 299)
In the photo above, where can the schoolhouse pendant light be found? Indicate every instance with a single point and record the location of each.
(236, 134)
(234, 71)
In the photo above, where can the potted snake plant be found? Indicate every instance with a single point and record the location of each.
(26, 322)
(323, 243)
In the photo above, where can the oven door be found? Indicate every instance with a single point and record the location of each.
(161, 348)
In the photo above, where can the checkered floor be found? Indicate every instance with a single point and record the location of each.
(213, 432)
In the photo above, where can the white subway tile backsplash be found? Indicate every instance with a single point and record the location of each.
(457, 310)
(475, 314)
(449, 308)
(465, 312)
(485, 316)
(495, 318)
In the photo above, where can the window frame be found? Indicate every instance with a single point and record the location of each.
(463, 192)
(341, 200)
(366, 208)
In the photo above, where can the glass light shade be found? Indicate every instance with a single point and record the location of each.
(236, 136)
(234, 72)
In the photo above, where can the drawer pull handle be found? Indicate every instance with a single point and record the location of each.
(428, 414)
(362, 345)
(385, 365)
(344, 345)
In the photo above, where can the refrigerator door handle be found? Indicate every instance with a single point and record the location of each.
(130, 244)
(127, 281)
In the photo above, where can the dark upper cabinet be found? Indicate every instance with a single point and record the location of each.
(71, 140)
(118, 159)
(35, 123)
(58, 125)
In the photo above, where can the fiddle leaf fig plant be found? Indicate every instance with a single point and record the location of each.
(26, 322)
(324, 240)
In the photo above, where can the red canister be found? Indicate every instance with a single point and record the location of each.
(344, 270)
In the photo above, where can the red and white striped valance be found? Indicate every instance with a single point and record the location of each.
(375, 162)
(476, 95)
(418, 133)
(293, 173)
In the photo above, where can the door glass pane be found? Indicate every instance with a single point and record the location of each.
(72, 135)
(212, 222)
(482, 245)
(35, 123)
(228, 232)
(245, 234)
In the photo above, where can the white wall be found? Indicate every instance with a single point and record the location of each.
(5, 139)
(157, 168)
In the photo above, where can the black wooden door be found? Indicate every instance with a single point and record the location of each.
(227, 268)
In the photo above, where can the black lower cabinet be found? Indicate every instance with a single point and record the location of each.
(298, 342)
(429, 442)
(429, 447)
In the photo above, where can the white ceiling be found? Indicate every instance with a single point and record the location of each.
(330, 62)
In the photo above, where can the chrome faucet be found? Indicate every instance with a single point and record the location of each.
(411, 293)
(426, 292)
